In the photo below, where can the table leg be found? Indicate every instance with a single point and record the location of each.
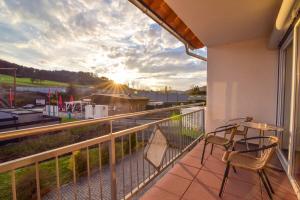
(259, 142)
(275, 168)
(261, 134)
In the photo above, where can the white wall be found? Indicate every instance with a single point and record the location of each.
(241, 81)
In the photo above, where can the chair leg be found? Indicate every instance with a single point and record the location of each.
(265, 184)
(247, 145)
(203, 152)
(224, 179)
(268, 181)
(234, 169)
(212, 148)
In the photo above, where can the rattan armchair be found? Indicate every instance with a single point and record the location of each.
(242, 159)
(215, 139)
(241, 131)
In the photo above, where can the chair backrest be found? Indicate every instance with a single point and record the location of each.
(232, 132)
(271, 144)
(245, 129)
(238, 121)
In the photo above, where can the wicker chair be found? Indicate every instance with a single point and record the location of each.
(241, 131)
(214, 139)
(242, 159)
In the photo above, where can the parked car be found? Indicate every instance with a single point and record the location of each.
(28, 106)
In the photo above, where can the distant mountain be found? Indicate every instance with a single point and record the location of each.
(171, 96)
(82, 78)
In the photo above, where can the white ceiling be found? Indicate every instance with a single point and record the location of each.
(217, 22)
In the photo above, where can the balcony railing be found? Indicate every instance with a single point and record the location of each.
(111, 166)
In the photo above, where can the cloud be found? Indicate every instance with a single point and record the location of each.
(10, 34)
(100, 36)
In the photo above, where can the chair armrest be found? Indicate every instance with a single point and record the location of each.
(253, 138)
(226, 128)
(229, 153)
(258, 149)
(235, 119)
(264, 147)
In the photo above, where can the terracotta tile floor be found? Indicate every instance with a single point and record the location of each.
(190, 180)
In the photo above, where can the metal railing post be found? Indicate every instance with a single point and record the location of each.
(203, 119)
(112, 158)
(181, 134)
(204, 112)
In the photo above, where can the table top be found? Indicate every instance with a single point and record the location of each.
(261, 126)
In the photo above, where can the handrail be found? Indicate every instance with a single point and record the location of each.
(57, 127)
(25, 161)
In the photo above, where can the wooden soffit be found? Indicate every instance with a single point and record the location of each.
(168, 16)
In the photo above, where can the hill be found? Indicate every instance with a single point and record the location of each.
(8, 80)
(62, 76)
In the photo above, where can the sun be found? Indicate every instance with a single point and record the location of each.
(120, 77)
(123, 76)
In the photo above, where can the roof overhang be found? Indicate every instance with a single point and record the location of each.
(288, 13)
(160, 12)
(218, 22)
(215, 22)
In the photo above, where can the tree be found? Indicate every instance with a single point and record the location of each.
(195, 90)
(32, 79)
(71, 90)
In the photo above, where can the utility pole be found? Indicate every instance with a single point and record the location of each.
(15, 82)
(166, 91)
(15, 86)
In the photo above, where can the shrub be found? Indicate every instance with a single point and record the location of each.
(80, 162)
(26, 183)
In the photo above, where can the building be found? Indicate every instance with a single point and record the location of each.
(119, 103)
(12, 119)
(171, 96)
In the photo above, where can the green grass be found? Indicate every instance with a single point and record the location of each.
(5, 79)
(66, 119)
(192, 133)
(25, 177)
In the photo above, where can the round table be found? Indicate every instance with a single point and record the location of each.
(262, 127)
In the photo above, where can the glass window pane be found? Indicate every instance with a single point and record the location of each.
(287, 99)
(296, 161)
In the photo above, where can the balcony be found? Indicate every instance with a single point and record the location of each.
(113, 166)
(189, 180)
(109, 166)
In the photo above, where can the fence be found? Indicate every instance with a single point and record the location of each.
(111, 166)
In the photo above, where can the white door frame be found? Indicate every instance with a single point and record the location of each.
(294, 37)
(281, 85)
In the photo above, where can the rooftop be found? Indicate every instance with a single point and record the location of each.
(19, 111)
(121, 96)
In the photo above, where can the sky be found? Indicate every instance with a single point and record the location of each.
(111, 38)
